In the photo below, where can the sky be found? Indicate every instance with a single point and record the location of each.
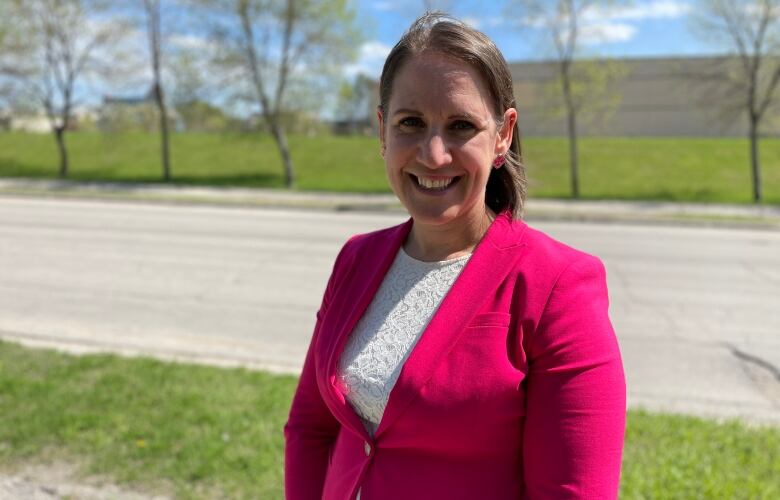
(642, 28)
(629, 28)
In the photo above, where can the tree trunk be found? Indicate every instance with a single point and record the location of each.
(284, 151)
(754, 160)
(59, 135)
(158, 95)
(571, 123)
(573, 154)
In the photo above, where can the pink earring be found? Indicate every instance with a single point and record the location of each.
(499, 161)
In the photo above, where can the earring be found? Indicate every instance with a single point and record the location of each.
(382, 151)
(499, 161)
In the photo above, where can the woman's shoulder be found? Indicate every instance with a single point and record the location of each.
(364, 245)
(543, 251)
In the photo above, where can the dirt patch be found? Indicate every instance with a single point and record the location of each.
(61, 480)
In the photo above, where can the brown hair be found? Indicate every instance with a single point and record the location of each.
(440, 33)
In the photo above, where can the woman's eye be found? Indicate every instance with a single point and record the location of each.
(462, 125)
(410, 121)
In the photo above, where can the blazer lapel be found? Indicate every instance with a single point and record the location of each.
(491, 261)
(351, 306)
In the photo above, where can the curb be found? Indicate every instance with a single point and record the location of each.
(601, 211)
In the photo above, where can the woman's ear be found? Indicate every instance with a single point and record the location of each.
(505, 131)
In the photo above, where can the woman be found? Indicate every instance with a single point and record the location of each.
(462, 354)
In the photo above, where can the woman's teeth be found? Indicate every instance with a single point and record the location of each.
(434, 183)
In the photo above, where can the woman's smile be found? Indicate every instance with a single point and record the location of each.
(435, 184)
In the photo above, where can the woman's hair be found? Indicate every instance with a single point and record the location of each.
(439, 33)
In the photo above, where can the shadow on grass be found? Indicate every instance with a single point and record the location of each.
(120, 183)
(16, 169)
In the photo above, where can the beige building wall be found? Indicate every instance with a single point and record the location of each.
(659, 97)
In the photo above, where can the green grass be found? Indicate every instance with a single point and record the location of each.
(204, 431)
(702, 170)
(193, 429)
(675, 169)
(676, 457)
(252, 160)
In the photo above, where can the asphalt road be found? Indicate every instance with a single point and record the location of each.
(697, 310)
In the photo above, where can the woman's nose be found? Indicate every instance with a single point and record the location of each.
(433, 152)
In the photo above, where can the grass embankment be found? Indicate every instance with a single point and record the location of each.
(676, 169)
(204, 431)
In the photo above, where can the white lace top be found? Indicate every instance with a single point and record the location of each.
(392, 324)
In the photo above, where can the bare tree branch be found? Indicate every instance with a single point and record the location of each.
(53, 49)
(562, 21)
(750, 30)
(275, 42)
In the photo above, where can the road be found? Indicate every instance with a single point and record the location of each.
(697, 310)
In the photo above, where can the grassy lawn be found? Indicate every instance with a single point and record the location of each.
(711, 170)
(201, 431)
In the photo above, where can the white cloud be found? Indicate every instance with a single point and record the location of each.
(374, 50)
(385, 6)
(603, 24)
(371, 58)
(191, 42)
(658, 9)
(618, 24)
(596, 34)
(474, 22)
(494, 21)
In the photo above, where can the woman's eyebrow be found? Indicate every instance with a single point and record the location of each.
(407, 111)
(465, 116)
(457, 116)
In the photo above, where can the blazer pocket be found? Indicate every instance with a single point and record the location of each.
(500, 319)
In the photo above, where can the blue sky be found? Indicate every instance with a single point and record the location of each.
(639, 28)
(642, 28)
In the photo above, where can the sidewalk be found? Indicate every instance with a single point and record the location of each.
(764, 216)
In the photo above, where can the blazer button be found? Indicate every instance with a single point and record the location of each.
(367, 448)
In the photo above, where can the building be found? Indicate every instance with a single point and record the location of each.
(670, 97)
(39, 123)
(120, 113)
(356, 114)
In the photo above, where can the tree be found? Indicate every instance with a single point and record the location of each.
(562, 21)
(273, 44)
(751, 31)
(55, 44)
(355, 103)
(188, 82)
(153, 14)
(592, 90)
(5, 26)
(5, 36)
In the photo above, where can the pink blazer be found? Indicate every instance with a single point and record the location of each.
(515, 389)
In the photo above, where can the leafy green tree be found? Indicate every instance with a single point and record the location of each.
(200, 116)
(355, 102)
(266, 47)
(594, 95)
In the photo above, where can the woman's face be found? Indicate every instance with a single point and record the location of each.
(440, 138)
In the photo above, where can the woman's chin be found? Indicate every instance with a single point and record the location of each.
(431, 216)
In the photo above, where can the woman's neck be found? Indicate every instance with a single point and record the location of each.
(432, 243)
